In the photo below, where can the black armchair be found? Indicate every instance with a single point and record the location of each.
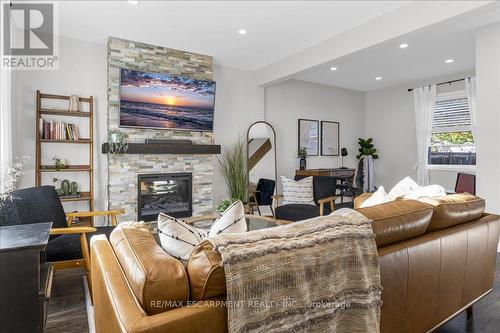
(68, 245)
(324, 188)
(262, 195)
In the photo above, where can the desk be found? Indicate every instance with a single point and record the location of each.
(339, 173)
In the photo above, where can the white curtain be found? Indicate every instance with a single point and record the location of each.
(5, 123)
(424, 99)
(470, 90)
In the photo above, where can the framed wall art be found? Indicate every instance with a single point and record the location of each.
(309, 136)
(330, 137)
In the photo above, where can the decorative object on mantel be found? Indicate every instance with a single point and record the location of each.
(330, 138)
(233, 167)
(302, 154)
(116, 143)
(367, 153)
(309, 136)
(66, 134)
(74, 103)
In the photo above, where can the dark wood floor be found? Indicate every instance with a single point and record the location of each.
(67, 312)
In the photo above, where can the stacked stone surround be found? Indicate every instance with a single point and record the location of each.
(123, 169)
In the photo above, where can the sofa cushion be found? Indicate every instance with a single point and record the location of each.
(299, 212)
(396, 221)
(154, 276)
(454, 209)
(206, 275)
(232, 220)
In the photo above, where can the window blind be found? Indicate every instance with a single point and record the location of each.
(452, 115)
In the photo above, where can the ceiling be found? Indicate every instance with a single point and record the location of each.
(276, 29)
(423, 59)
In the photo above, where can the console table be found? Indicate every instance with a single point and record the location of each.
(338, 172)
(25, 282)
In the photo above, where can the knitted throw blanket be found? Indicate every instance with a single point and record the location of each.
(318, 275)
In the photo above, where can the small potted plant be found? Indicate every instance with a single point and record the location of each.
(302, 154)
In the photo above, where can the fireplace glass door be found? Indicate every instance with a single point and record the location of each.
(169, 193)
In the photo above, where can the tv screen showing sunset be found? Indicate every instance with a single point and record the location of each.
(158, 100)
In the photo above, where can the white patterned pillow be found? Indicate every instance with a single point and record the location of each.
(232, 220)
(297, 191)
(177, 237)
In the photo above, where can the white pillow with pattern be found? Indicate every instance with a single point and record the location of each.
(177, 237)
(231, 221)
(297, 191)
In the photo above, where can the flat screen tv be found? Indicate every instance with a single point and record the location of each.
(158, 100)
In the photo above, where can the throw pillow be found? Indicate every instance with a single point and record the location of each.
(426, 191)
(297, 191)
(402, 188)
(377, 198)
(232, 220)
(177, 237)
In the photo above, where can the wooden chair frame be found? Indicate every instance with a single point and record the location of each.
(82, 231)
(321, 202)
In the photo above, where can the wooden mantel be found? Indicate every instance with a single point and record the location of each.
(163, 148)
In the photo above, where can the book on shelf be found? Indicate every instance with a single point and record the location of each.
(57, 130)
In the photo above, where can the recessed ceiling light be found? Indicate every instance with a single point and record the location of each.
(333, 68)
(133, 2)
(403, 46)
(378, 78)
(449, 61)
(242, 32)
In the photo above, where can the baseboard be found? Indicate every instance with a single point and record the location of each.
(88, 306)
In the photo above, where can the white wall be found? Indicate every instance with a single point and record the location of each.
(286, 102)
(488, 116)
(390, 120)
(239, 102)
(82, 71)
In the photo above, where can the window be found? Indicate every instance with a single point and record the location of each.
(452, 142)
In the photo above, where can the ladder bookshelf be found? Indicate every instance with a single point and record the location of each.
(87, 196)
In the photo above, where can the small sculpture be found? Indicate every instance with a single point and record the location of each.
(65, 186)
(74, 188)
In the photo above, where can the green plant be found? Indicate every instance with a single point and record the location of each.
(366, 148)
(223, 205)
(301, 153)
(233, 167)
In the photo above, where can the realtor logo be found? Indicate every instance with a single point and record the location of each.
(28, 35)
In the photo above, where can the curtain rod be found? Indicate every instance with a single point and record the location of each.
(442, 83)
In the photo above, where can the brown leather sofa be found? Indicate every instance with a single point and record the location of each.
(436, 259)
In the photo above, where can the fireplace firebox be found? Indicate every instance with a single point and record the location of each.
(169, 193)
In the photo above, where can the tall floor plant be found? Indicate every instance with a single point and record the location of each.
(233, 167)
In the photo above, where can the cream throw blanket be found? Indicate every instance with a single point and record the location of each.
(318, 275)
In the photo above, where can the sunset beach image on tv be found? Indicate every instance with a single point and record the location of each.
(158, 100)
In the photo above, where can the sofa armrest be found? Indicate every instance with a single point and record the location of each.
(360, 199)
(205, 316)
(323, 201)
(111, 213)
(116, 309)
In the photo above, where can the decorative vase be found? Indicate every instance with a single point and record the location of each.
(74, 188)
(65, 186)
(73, 103)
(302, 164)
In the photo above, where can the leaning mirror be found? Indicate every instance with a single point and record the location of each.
(261, 166)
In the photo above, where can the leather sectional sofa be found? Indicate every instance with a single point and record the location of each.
(436, 259)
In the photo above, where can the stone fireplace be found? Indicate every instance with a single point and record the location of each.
(169, 193)
(124, 170)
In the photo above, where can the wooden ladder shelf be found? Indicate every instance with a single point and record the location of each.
(87, 196)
